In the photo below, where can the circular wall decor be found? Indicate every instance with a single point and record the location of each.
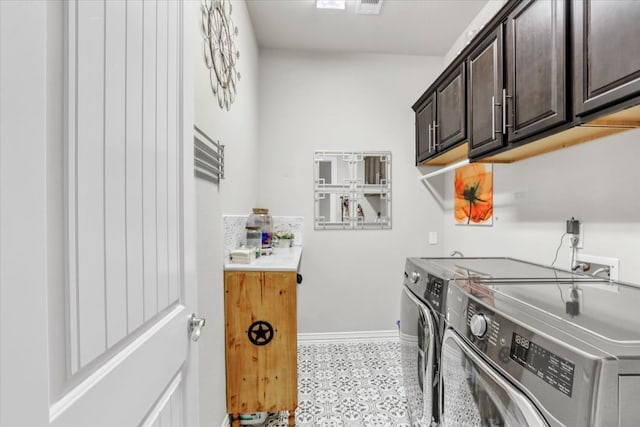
(220, 53)
(260, 333)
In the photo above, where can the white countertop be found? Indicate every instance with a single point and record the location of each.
(282, 259)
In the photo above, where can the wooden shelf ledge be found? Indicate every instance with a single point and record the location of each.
(452, 156)
(611, 124)
(628, 118)
(575, 135)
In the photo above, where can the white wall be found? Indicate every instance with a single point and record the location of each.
(237, 129)
(595, 182)
(484, 16)
(312, 101)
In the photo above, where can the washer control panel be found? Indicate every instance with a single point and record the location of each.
(514, 348)
(429, 288)
(553, 369)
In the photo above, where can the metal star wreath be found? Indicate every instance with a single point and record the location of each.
(220, 53)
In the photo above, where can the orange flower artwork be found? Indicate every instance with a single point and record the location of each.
(474, 194)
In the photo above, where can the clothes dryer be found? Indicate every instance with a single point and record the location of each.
(423, 321)
(541, 354)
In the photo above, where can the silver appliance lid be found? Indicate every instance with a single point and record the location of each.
(597, 312)
(497, 269)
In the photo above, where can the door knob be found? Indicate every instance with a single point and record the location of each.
(195, 326)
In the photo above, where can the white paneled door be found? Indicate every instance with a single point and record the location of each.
(97, 263)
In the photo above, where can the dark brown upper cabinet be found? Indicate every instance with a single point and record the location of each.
(535, 92)
(542, 75)
(425, 120)
(606, 52)
(441, 116)
(484, 102)
(532, 96)
(441, 121)
(451, 119)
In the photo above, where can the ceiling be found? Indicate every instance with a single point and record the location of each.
(412, 27)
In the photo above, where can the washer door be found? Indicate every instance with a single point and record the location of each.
(476, 395)
(418, 340)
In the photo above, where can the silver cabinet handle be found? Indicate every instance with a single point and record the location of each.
(504, 111)
(435, 140)
(429, 149)
(195, 326)
(493, 117)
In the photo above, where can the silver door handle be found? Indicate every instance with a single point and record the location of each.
(195, 326)
(429, 130)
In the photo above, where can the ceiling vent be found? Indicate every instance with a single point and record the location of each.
(368, 7)
(330, 4)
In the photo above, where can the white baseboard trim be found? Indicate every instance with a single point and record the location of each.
(225, 421)
(342, 337)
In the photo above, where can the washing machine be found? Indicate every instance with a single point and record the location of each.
(541, 354)
(423, 317)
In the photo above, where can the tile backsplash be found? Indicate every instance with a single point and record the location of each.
(233, 226)
(234, 229)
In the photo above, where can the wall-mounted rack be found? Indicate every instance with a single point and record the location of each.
(208, 156)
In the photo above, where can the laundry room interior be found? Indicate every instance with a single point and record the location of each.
(293, 101)
(320, 213)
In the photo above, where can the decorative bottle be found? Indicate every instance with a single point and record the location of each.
(261, 218)
(254, 238)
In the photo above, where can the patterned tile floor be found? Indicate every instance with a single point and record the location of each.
(348, 385)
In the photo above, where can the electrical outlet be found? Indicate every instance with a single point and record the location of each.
(575, 232)
(579, 244)
(433, 237)
(596, 262)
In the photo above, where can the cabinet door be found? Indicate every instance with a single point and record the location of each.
(606, 52)
(535, 60)
(485, 95)
(451, 125)
(425, 117)
(261, 374)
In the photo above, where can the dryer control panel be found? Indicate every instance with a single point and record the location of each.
(434, 292)
(514, 348)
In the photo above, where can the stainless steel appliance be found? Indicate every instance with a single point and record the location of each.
(421, 328)
(423, 322)
(541, 354)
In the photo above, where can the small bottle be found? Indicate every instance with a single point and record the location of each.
(254, 238)
(261, 218)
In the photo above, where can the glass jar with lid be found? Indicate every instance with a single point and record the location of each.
(261, 218)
